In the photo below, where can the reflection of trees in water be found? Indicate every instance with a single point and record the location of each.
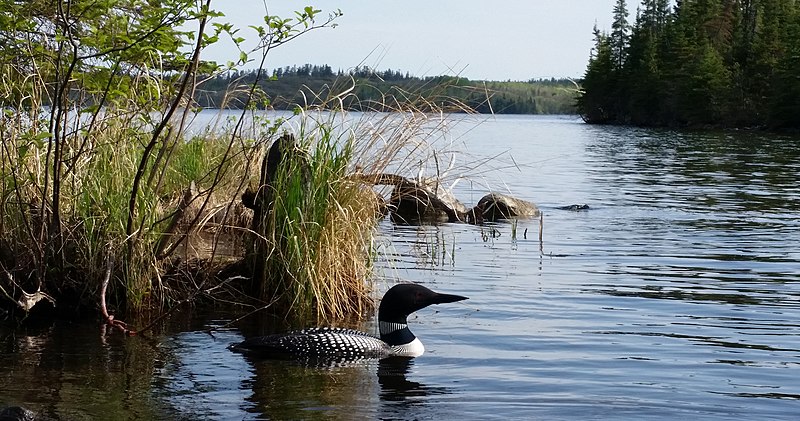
(703, 170)
(75, 371)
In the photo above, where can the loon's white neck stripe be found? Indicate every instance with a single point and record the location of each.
(389, 327)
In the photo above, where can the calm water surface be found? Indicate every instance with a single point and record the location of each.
(676, 295)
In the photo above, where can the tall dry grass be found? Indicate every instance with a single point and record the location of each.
(321, 229)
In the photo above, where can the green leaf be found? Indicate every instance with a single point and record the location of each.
(91, 109)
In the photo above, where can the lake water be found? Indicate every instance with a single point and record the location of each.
(676, 295)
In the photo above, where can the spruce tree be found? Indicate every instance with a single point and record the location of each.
(784, 106)
(595, 103)
(620, 34)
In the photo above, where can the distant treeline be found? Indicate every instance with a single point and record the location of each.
(730, 63)
(369, 89)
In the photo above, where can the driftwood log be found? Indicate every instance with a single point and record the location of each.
(427, 201)
(416, 202)
(261, 202)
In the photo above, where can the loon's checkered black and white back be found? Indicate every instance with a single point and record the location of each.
(319, 342)
(341, 344)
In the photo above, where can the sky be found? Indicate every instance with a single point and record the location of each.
(480, 40)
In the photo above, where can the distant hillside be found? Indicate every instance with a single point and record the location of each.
(289, 87)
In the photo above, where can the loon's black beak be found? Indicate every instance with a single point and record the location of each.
(404, 299)
(425, 297)
(446, 298)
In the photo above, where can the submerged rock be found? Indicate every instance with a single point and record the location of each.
(575, 208)
(425, 202)
(495, 206)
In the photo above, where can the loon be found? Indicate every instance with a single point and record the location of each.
(325, 342)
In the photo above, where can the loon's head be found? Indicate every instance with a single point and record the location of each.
(404, 299)
(400, 301)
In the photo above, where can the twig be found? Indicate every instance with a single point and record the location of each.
(109, 319)
(188, 299)
(161, 317)
(268, 305)
(541, 226)
(26, 301)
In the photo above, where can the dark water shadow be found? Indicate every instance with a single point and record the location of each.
(396, 387)
(325, 387)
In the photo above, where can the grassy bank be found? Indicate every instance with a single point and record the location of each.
(63, 222)
(184, 234)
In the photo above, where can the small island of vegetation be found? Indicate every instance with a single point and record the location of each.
(110, 205)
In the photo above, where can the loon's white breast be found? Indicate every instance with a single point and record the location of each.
(414, 348)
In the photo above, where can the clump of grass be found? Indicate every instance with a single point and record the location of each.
(101, 178)
(319, 229)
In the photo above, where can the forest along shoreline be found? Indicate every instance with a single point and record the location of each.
(721, 64)
(290, 87)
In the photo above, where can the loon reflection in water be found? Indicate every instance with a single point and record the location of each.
(348, 344)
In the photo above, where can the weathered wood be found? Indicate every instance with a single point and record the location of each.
(414, 202)
(261, 199)
(171, 235)
(261, 202)
(427, 201)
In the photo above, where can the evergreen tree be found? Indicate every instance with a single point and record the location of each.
(641, 76)
(705, 98)
(767, 51)
(598, 84)
(785, 88)
(620, 35)
(655, 15)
